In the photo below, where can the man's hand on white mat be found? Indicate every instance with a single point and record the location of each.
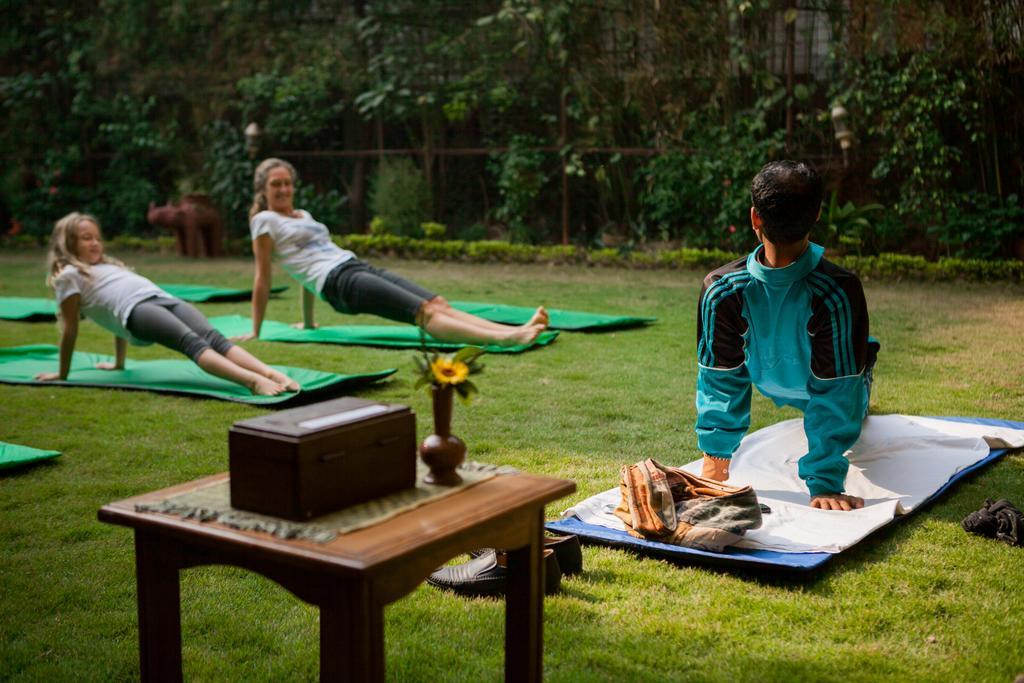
(837, 501)
(715, 468)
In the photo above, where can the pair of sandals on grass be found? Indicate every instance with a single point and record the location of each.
(997, 519)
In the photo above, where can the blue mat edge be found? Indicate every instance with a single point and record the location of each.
(803, 562)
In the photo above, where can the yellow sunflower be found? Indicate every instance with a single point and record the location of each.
(447, 371)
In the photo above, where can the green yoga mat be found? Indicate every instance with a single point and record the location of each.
(27, 309)
(20, 365)
(30, 309)
(394, 336)
(13, 455)
(201, 293)
(577, 321)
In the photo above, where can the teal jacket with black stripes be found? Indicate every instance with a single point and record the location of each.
(800, 335)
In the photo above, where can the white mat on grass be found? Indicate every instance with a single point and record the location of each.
(897, 463)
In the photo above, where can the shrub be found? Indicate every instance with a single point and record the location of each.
(433, 231)
(520, 178)
(124, 242)
(978, 227)
(472, 232)
(227, 173)
(915, 107)
(327, 207)
(490, 250)
(701, 196)
(695, 258)
(300, 106)
(70, 177)
(40, 192)
(21, 241)
(889, 266)
(605, 257)
(559, 253)
(883, 266)
(848, 225)
(400, 197)
(436, 250)
(128, 185)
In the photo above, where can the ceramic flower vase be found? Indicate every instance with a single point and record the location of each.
(441, 451)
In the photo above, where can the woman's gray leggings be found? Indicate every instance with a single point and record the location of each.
(357, 287)
(177, 325)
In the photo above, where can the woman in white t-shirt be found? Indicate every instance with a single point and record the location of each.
(88, 282)
(348, 284)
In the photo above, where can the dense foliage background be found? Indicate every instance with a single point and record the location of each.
(600, 122)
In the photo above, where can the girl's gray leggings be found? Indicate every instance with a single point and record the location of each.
(177, 325)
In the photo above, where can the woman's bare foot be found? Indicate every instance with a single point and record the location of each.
(262, 386)
(284, 380)
(540, 317)
(522, 335)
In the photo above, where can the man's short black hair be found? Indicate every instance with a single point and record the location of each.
(787, 196)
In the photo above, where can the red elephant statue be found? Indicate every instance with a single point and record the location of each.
(196, 223)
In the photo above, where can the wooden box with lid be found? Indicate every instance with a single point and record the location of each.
(312, 460)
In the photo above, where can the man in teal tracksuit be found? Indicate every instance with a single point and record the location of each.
(792, 324)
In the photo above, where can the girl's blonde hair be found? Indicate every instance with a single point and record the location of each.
(64, 247)
(259, 183)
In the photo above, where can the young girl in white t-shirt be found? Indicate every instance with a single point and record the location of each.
(348, 284)
(88, 282)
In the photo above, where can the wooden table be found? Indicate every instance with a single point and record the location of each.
(352, 577)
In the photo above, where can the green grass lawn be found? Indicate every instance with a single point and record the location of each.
(918, 601)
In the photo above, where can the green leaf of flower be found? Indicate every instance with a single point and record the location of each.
(465, 391)
(468, 354)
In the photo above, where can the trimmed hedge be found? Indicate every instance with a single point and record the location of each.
(883, 266)
(900, 266)
(488, 251)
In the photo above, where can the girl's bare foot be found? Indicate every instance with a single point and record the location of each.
(284, 380)
(262, 386)
(540, 317)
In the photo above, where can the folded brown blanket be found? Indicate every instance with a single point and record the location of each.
(672, 506)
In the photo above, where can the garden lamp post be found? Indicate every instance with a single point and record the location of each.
(844, 136)
(253, 133)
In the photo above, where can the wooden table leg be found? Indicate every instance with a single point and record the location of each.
(156, 571)
(351, 634)
(524, 610)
